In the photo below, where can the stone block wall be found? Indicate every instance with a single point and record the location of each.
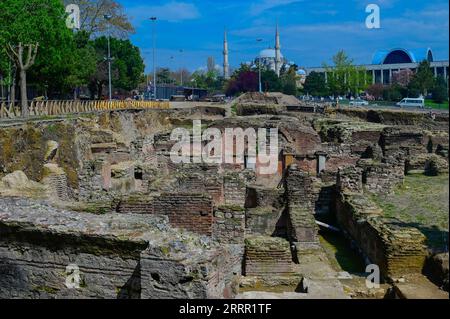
(193, 212)
(395, 247)
(229, 225)
(299, 188)
(382, 178)
(118, 257)
(235, 186)
(405, 141)
(301, 199)
(349, 180)
(95, 181)
(267, 256)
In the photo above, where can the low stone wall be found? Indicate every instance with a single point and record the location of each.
(392, 245)
(406, 141)
(117, 256)
(382, 177)
(266, 256)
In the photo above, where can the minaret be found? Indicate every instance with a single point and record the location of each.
(226, 66)
(277, 52)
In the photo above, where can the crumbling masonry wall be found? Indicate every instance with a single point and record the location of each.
(193, 212)
(265, 256)
(301, 198)
(392, 245)
(118, 256)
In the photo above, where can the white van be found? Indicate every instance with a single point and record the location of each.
(419, 103)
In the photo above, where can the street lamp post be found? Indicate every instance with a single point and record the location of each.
(259, 67)
(181, 72)
(154, 56)
(108, 18)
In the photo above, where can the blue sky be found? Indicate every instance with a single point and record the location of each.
(312, 31)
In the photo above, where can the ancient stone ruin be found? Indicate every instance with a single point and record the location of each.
(98, 197)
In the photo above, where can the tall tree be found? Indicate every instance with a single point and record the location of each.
(127, 67)
(23, 56)
(315, 84)
(439, 91)
(423, 80)
(344, 77)
(164, 76)
(38, 21)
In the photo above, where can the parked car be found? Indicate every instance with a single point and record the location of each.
(359, 102)
(409, 102)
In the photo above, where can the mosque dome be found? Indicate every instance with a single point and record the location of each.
(268, 54)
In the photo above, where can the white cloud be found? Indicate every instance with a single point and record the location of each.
(172, 11)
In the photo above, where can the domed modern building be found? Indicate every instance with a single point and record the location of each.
(386, 62)
(401, 56)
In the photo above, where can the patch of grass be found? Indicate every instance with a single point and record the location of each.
(234, 109)
(437, 106)
(421, 202)
(340, 254)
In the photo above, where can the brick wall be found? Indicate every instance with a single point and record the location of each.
(266, 256)
(301, 199)
(136, 205)
(193, 212)
(395, 247)
(235, 186)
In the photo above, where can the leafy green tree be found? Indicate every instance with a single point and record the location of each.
(127, 66)
(440, 91)
(394, 93)
(315, 84)
(209, 80)
(83, 64)
(423, 80)
(164, 76)
(289, 81)
(344, 77)
(270, 81)
(42, 23)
